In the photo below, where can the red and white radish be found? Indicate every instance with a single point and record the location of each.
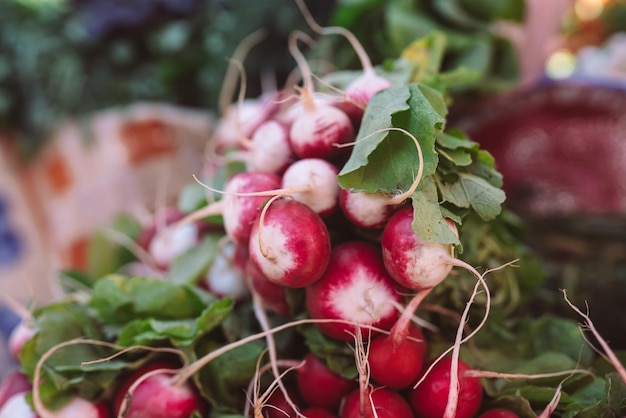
(16, 382)
(290, 243)
(412, 262)
(226, 275)
(360, 91)
(150, 392)
(270, 150)
(321, 387)
(20, 334)
(397, 364)
(316, 132)
(317, 179)
(273, 296)
(17, 407)
(355, 288)
(430, 398)
(79, 407)
(375, 403)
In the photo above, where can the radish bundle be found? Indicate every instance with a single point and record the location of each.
(326, 284)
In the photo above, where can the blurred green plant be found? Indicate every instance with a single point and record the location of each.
(70, 57)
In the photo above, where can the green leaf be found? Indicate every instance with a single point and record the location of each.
(118, 299)
(188, 267)
(428, 221)
(180, 333)
(475, 192)
(387, 161)
(225, 379)
(192, 197)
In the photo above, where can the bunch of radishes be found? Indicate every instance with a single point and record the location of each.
(352, 259)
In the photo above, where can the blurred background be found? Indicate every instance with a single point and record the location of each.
(105, 106)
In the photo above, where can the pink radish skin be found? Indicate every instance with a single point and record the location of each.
(386, 403)
(317, 131)
(270, 150)
(78, 407)
(290, 244)
(320, 179)
(430, 398)
(320, 387)
(360, 91)
(272, 295)
(498, 413)
(22, 332)
(354, 288)
(240, 212)
(171, 242)
(397, 365)
(225, 278)
(242, 120)
(366, 210)
(16, 382)
(156, 396)
(17, 407)
(278, 407)
(412, 262)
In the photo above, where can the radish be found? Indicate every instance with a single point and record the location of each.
(79, 407)
(430, 398)
(360, 91)
(150, 392)
(397, 364)
(272, 295)
(225, 277)
(270, 149)
(355, 288)
(17, 407)
(318, 179)
(16, 382)
(319, 386)
(412, 262)
(376, 402)
(22, 332)
(316, 132)
(278, 407)
(290, 244)
(373, 210)
(164, 241)
(498, 413)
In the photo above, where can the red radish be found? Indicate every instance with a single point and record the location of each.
(240, 212)
(430, 398)
(412, 262)
(373, 210)
(397, 365)
(318, 413)
(242, 120)
(366, 210)
(498, 413)
(225, 278)
(150, 392)
(270, 150)
(355, 288)
(319, 178)
(272, 295)
(290, 243)
(386, 403)
(79, 407)
(22, 332)
(360, 91)
(321, 387)
(316, 132)
(16, 382)
(164, 241)
(17, 407)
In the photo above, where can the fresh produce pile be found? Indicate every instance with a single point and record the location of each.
(316, 271)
